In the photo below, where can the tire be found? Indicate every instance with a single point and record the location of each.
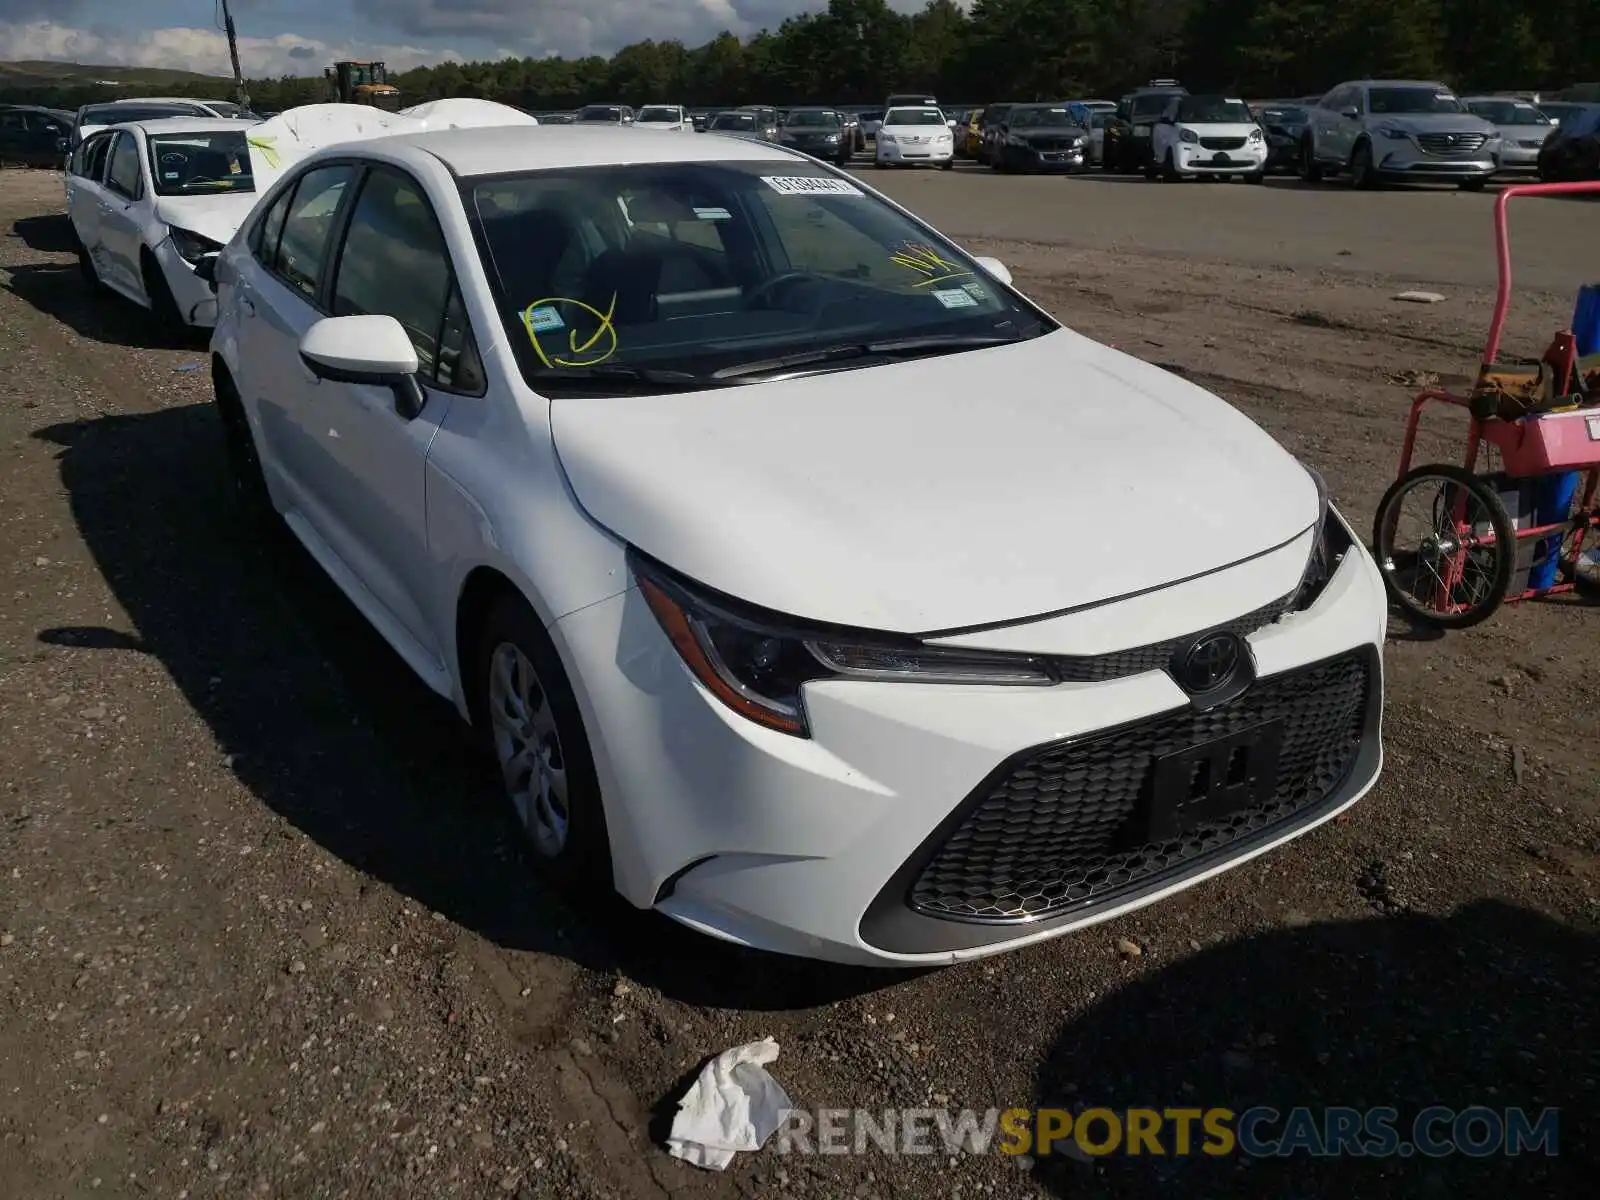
(948, 165)
(250, 496)
(86, 269)
(1473, 185)
(162, 305)
(1480, 598)
(1362, 176)
(1310, 168)
(1255, 176)
(1169, 169)
(546, 749)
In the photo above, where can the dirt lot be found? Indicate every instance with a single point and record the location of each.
(265, 932)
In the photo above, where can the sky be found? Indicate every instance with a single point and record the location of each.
(300, 37)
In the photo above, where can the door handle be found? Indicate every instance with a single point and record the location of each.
(247, 306)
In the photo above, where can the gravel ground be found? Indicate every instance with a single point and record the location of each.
(264, 930)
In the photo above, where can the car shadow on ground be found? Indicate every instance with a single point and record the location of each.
(58, 290)
(329, 728)
(1492, 1006)
(51, 234)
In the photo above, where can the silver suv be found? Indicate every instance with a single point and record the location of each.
(1381, 129)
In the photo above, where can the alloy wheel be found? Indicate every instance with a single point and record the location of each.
(528, 747)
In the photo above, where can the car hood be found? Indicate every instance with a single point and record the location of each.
(1435, 123)
(937, 494)
(214, 217)
(1051, 131)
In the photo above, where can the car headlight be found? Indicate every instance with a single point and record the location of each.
(191, 246)
(1189, 135)
(756, 662)
(1393, 132)
(1255, 136)
(831, 137)
(1332, 542)
(1076, 143)
(886, 137)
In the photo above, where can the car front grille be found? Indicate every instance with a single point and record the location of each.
(1118, 664)
(1050, 143)
(1062, 826)
(1222, 143)
(1451, 145)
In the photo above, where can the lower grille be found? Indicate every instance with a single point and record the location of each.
(1063, 826)
(1158, 655)
(1049, 143)
(1222, 143)
(1451, 145)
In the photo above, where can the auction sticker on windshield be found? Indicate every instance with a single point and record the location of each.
(955, 298)
(809, 185)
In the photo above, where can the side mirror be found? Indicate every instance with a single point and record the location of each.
(372, 350)
(994, 267)
(1350, 112)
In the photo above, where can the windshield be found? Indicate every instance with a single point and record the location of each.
(1507, 112)
(659, 112)
(1214, 110)
(1399, 100)
(600, 112)
(815, 119)
(1044, 114)
(117, 114)
(703, 267)
(189, 164)
(733, 121)
(914, 116)
(1149, 107)
(1285, 115)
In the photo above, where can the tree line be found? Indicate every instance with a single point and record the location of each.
(857, 51)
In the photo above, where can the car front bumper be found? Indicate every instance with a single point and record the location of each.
(1193, 158)
(899, 153)
(1407, 160)
(197, 303)
(831, 846)
(1518, 158)
(1026, 158)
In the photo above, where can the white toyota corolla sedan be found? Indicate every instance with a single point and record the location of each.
(810, 584)
(150, 201)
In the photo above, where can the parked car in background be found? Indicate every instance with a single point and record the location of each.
(33, 136)
(700, 118)
(913, 137)
(151, 201)
(604, 114)
(766, 119)
(1284, 123)
(663, 116)
(1041, 138)
(989, 135)
(739, 123)
(871, 120)
(706, 678)
(819, 132)
(556, 118)
(1520, 129)
(1571, 154)
(969, 136)
(1127, 136)
(93, 117)
(1376, 130)
(1204, 135)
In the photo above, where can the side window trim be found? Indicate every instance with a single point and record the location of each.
(333, 254)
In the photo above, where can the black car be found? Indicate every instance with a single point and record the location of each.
(1042, 137)
(1127, 138)
(34, 137)
(1284, 123)
(819, 132)
(1571, 153)
(994, 116)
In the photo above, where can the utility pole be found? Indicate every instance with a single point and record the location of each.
(240, 95)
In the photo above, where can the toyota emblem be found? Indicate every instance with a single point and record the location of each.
(1210, 663)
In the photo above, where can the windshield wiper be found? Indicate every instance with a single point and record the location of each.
(631, 378)
(934, 344)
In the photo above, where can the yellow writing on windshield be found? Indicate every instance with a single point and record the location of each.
(595, 348)
(927, 262)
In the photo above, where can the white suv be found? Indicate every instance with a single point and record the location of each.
(1380, 129)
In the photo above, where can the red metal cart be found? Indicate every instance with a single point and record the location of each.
(1477, 543)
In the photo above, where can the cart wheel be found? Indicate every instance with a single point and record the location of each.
(1445, 545)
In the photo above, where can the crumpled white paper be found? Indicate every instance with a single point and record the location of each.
(732, 1105)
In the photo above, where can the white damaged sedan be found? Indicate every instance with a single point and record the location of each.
(151, 200)
(806, 581)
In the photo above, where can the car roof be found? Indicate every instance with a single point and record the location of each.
(498, 151)
(1418, 83)
(1498, 100)
(189, 125)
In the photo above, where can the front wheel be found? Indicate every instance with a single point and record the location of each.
(1310, 168)
(1255, 176)
(1445, 545)
(1169, 169)
(948, 164)
(530, 718)
(1362, 176)
(86, 269)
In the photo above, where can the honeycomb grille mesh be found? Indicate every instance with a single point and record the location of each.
(1061, 828)
(1158, 655)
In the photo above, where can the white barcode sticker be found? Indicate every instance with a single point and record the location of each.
(810, 185)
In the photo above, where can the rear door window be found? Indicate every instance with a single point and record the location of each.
(123, 175)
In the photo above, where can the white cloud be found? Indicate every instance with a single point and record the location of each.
(204, 50)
